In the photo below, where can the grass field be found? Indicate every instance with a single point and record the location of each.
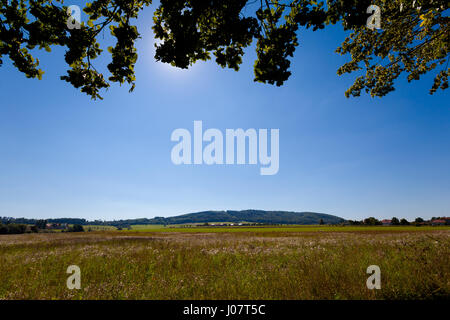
(229, 263)
(286, 228)
(98, 228)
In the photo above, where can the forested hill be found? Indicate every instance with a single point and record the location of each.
(256, 216)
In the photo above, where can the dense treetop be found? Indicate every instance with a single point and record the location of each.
(413, 39)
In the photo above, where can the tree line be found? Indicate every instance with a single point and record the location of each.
(12, 226)
(371, 221)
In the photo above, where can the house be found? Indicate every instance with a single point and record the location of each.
(439, 222)
(386, 222)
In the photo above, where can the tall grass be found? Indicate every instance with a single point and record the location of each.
(278, 265)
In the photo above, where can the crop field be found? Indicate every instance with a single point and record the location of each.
(316, 262)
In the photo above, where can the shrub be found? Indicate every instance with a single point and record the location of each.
(76, 228)
(12, 228)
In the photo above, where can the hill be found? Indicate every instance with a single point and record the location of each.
(256, 216)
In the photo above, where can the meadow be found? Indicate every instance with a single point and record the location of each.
(283, 229)
(299, 262)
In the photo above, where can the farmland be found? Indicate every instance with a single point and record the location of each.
(297, 262)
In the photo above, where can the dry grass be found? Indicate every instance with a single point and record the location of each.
(238, 265)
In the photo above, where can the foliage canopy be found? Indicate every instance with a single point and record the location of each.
(413, 39)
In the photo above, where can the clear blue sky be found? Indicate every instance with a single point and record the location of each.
(64, 155)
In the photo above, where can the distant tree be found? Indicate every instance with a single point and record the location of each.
(68, 221)
(404, 222)
(76, 228)
(395, 221)
(419, 220)
(4, 220)
(321, 222)
(371, 221)
(3, 229)
(41, 224)
(12, 228)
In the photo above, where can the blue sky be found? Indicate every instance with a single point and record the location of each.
(64, 155)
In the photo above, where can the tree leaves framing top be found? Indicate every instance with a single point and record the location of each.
(414, 39)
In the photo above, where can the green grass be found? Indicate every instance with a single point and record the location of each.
(278, 264)
(143, 227)
(292, 228)
(98, 228)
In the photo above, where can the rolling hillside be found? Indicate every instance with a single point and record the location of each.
(256, 216)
